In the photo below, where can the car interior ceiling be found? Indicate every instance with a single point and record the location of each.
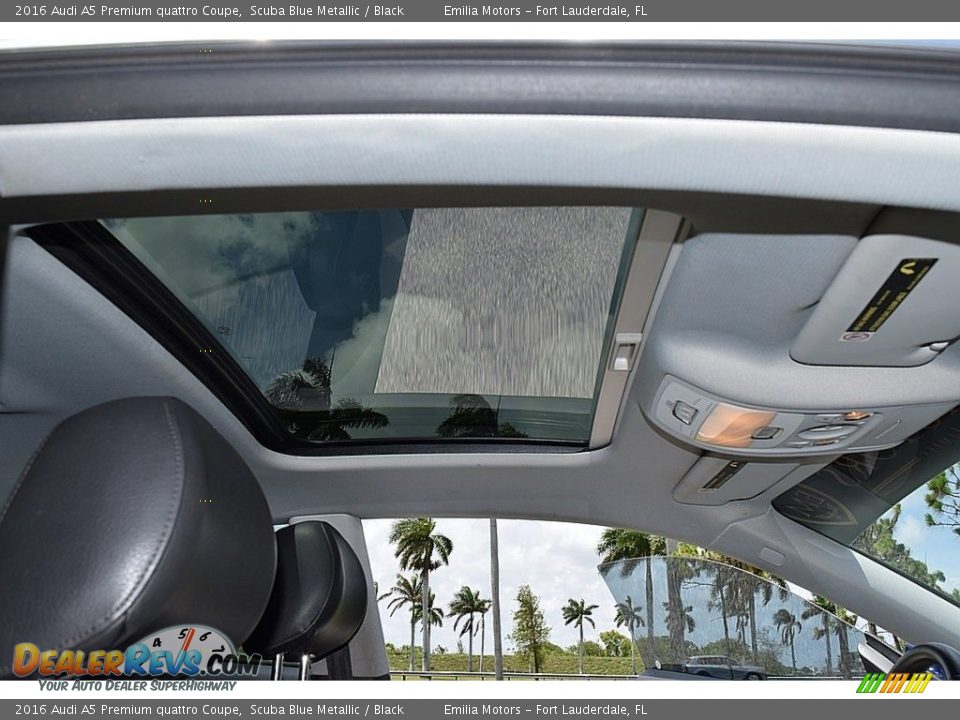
(737, 263)
(786, 354)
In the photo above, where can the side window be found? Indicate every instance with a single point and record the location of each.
(693, 603)
(644, 612)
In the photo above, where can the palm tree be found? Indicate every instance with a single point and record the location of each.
(407, 591)
(466, 604)
(789, 626)
(720, 592)
(841, 619)
(765, 583)
(578, 612)
(434, 614)
(629, 615)
(845, 619)
(742, 589)
(819, 610)
(495, 601)
(679, 617)
(422, 550)
(472, 417)
(303, 398)
(619, 544)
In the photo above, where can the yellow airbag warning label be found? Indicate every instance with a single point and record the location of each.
(907, 275)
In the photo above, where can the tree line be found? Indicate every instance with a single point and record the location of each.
(737, 590)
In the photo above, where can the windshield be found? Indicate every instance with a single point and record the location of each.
(408, 323)
(707, 618)
(899, 506)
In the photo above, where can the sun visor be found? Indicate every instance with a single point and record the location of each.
(893, 304)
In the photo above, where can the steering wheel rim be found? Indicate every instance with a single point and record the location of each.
(920, 657)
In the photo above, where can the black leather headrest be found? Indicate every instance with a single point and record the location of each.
(133, 516)
(320, 596)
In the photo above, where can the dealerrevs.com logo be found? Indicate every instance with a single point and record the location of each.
(189, 651)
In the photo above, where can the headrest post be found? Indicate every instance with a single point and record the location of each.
(305, 661)
(277, 673)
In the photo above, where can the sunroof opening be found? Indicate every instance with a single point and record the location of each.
(379, 325)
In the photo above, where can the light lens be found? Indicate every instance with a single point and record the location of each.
(855, 415)
(732, 426)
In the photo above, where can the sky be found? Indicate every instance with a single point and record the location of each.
(939, 547)
(558, 560)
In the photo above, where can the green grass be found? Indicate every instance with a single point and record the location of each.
(553, 663)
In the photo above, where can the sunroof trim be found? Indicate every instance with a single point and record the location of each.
(657, 233)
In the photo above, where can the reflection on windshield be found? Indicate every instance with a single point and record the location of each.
(710, 619)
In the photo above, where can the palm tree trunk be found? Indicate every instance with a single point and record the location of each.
(844, 653)
(826, 635)
(675, 613)
(726, 626)
(495, 604)
(483, 633)
(675, 603)
(650, 655)
(413, 638)
(425, 617)
(753, 627)
(633, 654)
(581, 647)
(726, 630)
(470, 646)
(793, 656)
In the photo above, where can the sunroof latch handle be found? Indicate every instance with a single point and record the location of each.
(626, 347)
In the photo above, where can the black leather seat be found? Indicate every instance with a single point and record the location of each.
(319, 599)
(133, 516)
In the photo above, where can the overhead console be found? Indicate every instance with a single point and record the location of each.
(713, 423)
(787, 346)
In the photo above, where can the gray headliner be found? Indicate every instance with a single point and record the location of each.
(732, 310)
(852, 164)
(65, 347)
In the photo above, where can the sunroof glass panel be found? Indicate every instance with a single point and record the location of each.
(427, 323)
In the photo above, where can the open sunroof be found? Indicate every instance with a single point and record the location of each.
(411, 324)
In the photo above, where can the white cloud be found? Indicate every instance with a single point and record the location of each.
(558, 560)
(911, 530)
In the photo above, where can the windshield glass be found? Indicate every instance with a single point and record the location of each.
(406, 324)
(707, 618)
(899, 506)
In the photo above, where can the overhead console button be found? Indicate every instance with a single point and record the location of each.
(683, 412)
(766, 433)
(827, 432)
